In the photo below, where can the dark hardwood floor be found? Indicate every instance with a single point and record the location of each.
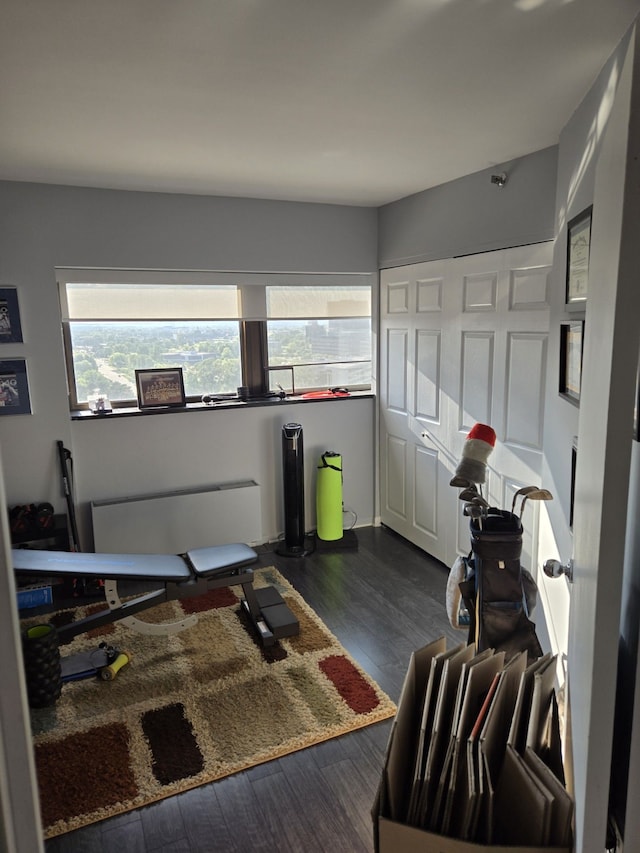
(382, 601)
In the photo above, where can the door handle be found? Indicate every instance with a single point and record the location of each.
(555, 569)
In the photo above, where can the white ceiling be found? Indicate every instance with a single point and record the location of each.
(345, 101)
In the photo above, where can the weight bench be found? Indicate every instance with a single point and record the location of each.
(181, 576)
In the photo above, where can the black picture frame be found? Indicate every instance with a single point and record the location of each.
(160, 387)
(10, 324)
(571, 346)
(285, 374)
(574, 465)
(636, 408)
(578, 252)
(14, 387)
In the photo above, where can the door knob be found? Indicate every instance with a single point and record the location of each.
(554, 569)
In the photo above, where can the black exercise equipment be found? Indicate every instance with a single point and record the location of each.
(181, 576)
(293, 483)
(104, 662)
(31, 520)
(41, 656)
(65, 459)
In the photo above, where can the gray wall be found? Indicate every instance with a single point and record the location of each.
(577, 158)
(43, 226)
(471, 214)
(151, 454)
(578, 154)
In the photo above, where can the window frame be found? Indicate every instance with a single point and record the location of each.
(252, 319)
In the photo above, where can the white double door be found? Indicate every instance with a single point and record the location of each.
(462, 341)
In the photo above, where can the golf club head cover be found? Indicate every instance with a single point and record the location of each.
(478, 445)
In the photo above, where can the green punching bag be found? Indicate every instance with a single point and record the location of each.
(329, 497)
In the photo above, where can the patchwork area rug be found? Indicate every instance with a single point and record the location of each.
(192, 707)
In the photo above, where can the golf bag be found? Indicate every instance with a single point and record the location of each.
(497, 592)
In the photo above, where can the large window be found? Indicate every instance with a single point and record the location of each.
(322, 333)
(269, 331)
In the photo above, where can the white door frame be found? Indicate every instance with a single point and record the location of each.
(20, 829)
(610, 364)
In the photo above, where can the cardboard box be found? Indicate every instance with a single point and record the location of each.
(399, 838)
(391, 834)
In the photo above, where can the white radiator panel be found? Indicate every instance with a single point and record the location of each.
(178, 521)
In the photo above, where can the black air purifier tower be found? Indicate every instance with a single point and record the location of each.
(293, 481)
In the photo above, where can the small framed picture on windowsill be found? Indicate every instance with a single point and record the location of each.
(578, 250)
(571, 341)
(160, 387)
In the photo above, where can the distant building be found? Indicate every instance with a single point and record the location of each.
(187, 357)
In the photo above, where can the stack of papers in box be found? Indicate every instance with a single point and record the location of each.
(475, 754)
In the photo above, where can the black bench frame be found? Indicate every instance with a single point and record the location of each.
(180, 576)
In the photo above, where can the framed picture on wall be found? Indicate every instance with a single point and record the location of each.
(10, 326)
(574, 463)
(636, 408)
(161, 386)
(578, 250)
(571, 341)
(14, 388)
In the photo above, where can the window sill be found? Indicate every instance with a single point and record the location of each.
(86, 415)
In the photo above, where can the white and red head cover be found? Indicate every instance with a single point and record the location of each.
(472, 467)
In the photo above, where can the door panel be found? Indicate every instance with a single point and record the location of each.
(528, 288)
(426, 490)
(396, 471)
(398, 297)
(480, 291)
(397, 370)
(525, 384)
(476, 379)
(428, 295)
(427, 378)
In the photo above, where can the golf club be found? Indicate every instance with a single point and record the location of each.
(478, 500)
(537, 495)
(525, 490)
(460, 482)
(468, 492)
(472, 494)
(474, 510)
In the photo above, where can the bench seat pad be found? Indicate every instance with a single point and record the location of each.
(161, 567)
(220, 558)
